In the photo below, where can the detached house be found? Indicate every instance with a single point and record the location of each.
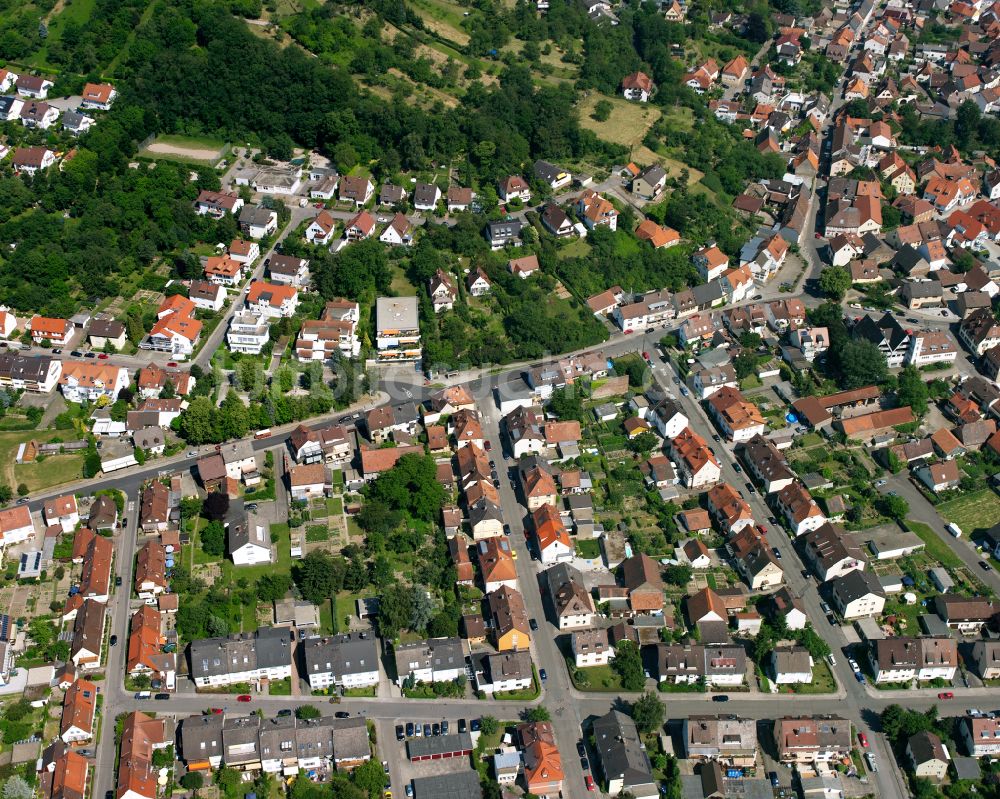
(737, 418)
(638, 86)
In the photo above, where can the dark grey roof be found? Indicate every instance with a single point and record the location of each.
(314, 737)
(505, 229)
(546, 171)
(620, 750)
(434, 653)
(241, 740)
(856, 584)
(24, 367)
(458, 785)
(340, 654)
(255, 216)
(268, 647)
(509, 666)
(439, 745)
(73, 120)
(201, 737)
(286, 264)
(350, 739)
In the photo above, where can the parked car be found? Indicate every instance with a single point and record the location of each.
(462, 726)
(475, 725)
(863, 739)
(584, 764)
(428, 731)
(720, 698)
(750, 488)
(400, 734)
(113, 640)
(946, 695)
(118, 581)
(543, 675)
(737, 468)
(342, 714)
(985, 566)
(824, 607)
(581, 749)
(162, 697)
(533, 624)
(243, 698)
(103, 356)
(773, 776)
(590, 783)
(409, 729)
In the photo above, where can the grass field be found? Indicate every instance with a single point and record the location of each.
(937, 550)
(442, 18)
(627, 124)
(53, 470)
(972, 512)
(189, 149)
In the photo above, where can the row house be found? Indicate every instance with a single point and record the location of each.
(430, 661)
(246, 657)
(138, 777)
(812, 740)
(730, 511)
(904, 659)
(348, 660)
(722, 665)
(696, 463)
(145, 648)
(83, 381)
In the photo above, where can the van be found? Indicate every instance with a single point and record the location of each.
(143, 695)
(262, 434)
(954, 529)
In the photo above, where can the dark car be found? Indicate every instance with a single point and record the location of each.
(750, 488)
(773, 776)
(114, 640)
(581, 749)
(435, 729)
(90, 355)
(400, 735)
(543, 675)
(162, 697)
(118, 580)
(76, 354)
(584, 763)
(805, 574)
(831, 619)
(772, 520)
(284, 713)
(109, 795)
(777, 552)
(462, 726)
(409, 729)
(342, 714)
(533, 624)
(737, 468)
(720, 698)
(57, 351)
(716, 437)
(474, 725)
(427, 731)
(985, 566)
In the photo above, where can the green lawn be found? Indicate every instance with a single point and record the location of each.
(327, 624)
(973, 512)
(575, 249)
(588, 548)
(360, 693)
(280, 687)
(283, 562)
(334, 506)
(823, 682)
(936, 549)
(597, 678)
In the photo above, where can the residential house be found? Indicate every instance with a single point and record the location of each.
(242, 657)
(737, 418)
(571, 601)
(347, 661)
(927, 756)
(257, 222)
(831, 553)
(358, 190)
(696, 463)
(138, 777)
(857, 594)
(790, 665)
(78, 711)
(638, 86)
(730, 510)
(766, 463)
(728, 739)
(621, 756)
(430, 661)
(510, 619)
(551, 537)
(801, 512)
(812, 740)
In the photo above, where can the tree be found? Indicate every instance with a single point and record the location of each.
(627, 664)
(895, 507)
(306, 712)
(648, 712)
(677, 574)
(566, 403)
(861, 364)
(539, 713)
(229, 781)
(488, 725)
(745, 364)
(272, 587)
(6, 495)
(193, 780)
(369, 777)
(644, 443)
(213, 539)
(912, 390)
(319, 576)
(602, 110)
(835, 281)
(17, 788)
(216, 506)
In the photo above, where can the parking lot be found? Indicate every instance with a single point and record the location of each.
(401, 770)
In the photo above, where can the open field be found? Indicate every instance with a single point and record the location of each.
(627, 124)
(186, 148)
(936, 549)
(442, 18)
(973, 512)
(51, 471)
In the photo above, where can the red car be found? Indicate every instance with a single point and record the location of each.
(103, 356)
(863, 739)
(487, 445)
(590, 783)
(946, 695)
(243, 698)
(172, 363)
(216, 710)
